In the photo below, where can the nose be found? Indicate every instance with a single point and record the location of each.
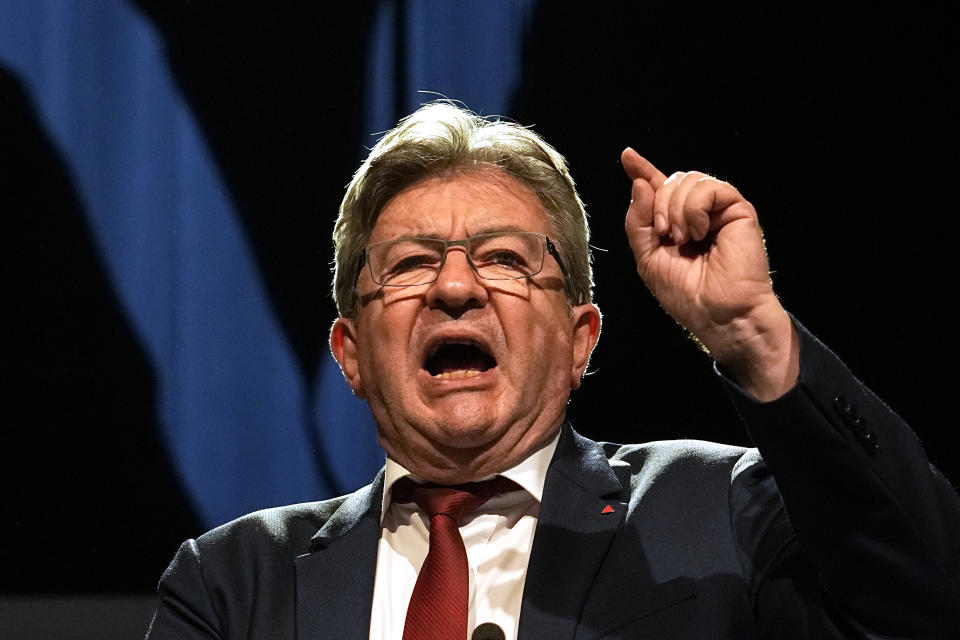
(457, 287)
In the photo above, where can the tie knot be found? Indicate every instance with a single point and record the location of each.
(454, 501)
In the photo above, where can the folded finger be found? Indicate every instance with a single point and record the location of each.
(708, 206)
(661, 204)
(686, 224)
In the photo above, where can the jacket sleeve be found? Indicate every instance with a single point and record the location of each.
(186, 611)
(877, 528)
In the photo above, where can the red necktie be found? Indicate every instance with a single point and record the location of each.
(438, 606)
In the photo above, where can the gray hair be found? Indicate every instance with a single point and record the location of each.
(442, 138)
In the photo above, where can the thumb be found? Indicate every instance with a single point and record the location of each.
(639, 221)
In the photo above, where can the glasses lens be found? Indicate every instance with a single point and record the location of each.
(507, 256)
(496, 256)
(402, 263)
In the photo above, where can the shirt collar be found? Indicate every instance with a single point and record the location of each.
(530, 474)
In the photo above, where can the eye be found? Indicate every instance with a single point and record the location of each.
(504, 258)
(412, 262)
(507, 255)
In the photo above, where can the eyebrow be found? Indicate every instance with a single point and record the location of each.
(480, 232)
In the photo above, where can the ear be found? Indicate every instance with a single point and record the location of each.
(586, 332)
(343, 344)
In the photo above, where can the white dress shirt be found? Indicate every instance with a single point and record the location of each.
(498, 537)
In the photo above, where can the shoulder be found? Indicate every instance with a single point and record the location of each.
(665, 464)
(216, 581)
(680, 456)
(262, 542)
(277, 536)
(290, 526)
(688, 469)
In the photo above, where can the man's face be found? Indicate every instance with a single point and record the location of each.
(465, 377)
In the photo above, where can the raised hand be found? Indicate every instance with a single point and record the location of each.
(700, 251)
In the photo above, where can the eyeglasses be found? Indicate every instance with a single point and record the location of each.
(508, 255)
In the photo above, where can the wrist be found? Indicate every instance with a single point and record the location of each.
(759, 351)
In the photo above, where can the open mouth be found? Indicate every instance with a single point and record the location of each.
(456, 359)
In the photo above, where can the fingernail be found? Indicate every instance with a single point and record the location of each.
(660, 223)
(676, 234)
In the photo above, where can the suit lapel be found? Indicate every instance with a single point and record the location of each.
(572, 537)
(335, 580)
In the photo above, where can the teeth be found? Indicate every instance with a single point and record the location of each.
(459, 374)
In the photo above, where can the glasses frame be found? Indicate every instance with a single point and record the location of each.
(547, 243)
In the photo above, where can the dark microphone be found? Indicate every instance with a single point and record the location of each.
(488, 631)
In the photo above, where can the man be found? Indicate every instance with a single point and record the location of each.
(464, 288)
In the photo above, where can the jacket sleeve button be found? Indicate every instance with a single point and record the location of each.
(859, 426)
(844, 408)
(870, 443)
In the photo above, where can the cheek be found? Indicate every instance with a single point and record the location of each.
(382, 349)
(552, 343)
(387, 356)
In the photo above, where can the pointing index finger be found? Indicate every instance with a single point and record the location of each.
(637, 166)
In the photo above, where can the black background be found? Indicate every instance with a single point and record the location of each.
(837, 123)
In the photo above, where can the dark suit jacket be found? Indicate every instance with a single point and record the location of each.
(857, 536)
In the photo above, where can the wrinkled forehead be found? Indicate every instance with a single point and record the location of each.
(461, 205)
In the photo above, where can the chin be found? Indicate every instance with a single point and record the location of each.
(466, 434)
